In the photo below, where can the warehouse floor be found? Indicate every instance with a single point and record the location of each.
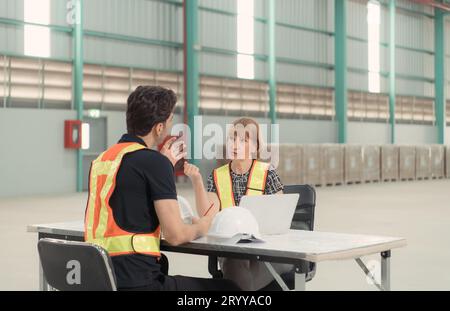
(418, 211)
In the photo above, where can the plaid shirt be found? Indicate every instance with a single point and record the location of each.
(273, 184)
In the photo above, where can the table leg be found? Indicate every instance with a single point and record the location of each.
(276, 276)
(386, 270)
(300, 280)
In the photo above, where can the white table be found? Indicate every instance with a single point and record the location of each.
(293, 248)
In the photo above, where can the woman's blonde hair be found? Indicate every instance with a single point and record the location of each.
(247, 124)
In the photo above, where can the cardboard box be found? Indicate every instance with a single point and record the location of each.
(353, 164)
(437, 161)
(447, 161)
(290, 164)
(311, 164)
(332, 164)
(372, 163)
(407, 162)
(389, 163)
(423, 162)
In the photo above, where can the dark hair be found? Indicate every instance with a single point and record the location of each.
(148, 106)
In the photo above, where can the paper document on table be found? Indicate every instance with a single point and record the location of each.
(240, 238)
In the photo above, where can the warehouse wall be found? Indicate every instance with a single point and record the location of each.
(412, 32)
(11, 37)
(32, 151)
(116, 124)
(162, 22)
(223, 36)
(368, 133)
(291, 131)
(150, 20)
(34, 158)
(416, 134)
(319, 131)
(302, 45)
(380, 133)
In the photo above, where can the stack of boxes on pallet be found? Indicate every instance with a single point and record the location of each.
(353, 165)
(437, 161)
(423, 164)
(331, 165)
(372, 166)
(290, 164)
(311, 164)
(407, 162)
(447, 161)
(389, 163)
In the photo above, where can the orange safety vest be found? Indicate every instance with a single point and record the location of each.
(100, 226)
(256, 182)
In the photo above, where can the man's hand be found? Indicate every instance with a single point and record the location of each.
(192, 172)
(174, 230)
(204, 224)
(174, 151)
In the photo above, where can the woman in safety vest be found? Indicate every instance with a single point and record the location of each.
(245, 174)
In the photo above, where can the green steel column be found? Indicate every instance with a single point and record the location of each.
(191, 74)
(439, 72)
(392, 90)
(78, 81)
(272, 63)
(340, 71)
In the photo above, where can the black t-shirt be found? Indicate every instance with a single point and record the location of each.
(144, 176)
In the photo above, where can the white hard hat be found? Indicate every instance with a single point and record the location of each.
(232, 221)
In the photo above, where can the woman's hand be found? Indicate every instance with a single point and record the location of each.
(174, 151)
(192, 171)
(203, 223)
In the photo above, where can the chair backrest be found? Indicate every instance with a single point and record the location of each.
(76, 266)
(304, 214)
(303, 220)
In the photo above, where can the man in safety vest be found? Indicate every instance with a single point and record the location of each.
(132, 197)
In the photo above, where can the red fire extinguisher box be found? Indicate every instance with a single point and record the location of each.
(72, 134)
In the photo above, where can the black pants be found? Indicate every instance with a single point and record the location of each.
(165, 282)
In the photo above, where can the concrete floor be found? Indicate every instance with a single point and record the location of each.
(418, 211)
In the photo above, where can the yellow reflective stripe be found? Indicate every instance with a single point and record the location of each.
(257, 180)
(224, 186)
(111, 172)
(146, 244)
(103, 215)
(126, 243)
(91, 207)
(102, 168)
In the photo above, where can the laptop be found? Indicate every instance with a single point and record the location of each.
(273, 212)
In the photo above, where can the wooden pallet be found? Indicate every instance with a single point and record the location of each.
(333, 184)
(407, 179)
(353, 182)
(423, 178)
(390, 180)
(372, 181)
